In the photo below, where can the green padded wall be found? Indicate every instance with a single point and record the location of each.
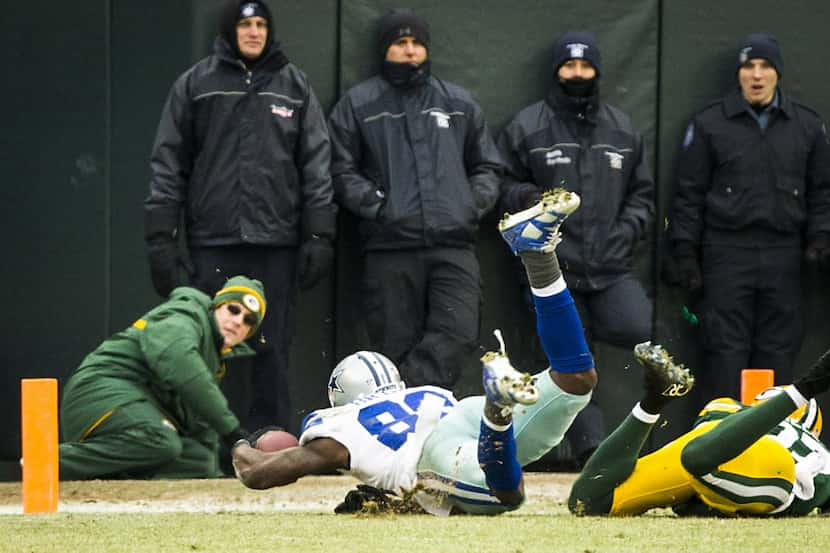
(142, 71)
(55, 211)
(502, 55)
(87, 90)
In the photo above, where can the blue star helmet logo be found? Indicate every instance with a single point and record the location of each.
(333, 381)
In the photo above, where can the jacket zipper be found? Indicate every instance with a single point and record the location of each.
(248, 73)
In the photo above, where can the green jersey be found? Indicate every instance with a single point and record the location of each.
(172, 356)
(812, 458)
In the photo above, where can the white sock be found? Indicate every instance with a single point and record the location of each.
(556, 287)
(644, 416)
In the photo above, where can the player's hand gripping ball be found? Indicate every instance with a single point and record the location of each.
(276, 440)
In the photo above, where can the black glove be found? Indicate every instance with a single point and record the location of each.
(688, 270)
(817, 378)
(253, 438)
(682, 268)
(235, 437)
(315, 260)
(375, 500)
(160, 232)
(357, 499)
(164, 266)
(371, 203)
(818, 249)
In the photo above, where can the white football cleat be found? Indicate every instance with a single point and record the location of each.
(537, 227)
(503, 384)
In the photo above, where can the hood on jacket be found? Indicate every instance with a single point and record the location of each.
(231, 14)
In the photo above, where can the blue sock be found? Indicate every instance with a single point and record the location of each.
(497, 457)
(560, 330)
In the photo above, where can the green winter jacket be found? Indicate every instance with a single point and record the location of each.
(172, 356)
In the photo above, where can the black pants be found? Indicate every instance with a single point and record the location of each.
(422, 310)
(750, 315)
(620, 315)
(257, 390)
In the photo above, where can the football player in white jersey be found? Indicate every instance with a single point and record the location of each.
(737, 460)
(453, 455)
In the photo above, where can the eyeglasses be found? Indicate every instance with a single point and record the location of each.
(235, 309)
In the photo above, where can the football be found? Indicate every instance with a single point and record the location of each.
(276, 440)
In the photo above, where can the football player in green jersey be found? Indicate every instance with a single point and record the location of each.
(738, 460)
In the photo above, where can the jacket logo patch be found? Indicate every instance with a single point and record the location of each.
(282, 111)
(442, 120)
(615, 160)
(555, 157)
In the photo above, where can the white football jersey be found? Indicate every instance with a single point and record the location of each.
(383, 432)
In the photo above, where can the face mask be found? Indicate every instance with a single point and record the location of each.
(405, 75)
(578, 87)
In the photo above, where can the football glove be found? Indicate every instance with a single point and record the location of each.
(359, 499)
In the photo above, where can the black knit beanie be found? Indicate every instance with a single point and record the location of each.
(400, 22)
(761, 45)
(576, 45)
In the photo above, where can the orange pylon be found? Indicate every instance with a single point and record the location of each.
(754, 381)
(39, 421)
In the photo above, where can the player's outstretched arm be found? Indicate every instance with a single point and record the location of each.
(261, 470)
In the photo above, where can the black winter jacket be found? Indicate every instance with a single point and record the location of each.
(246, 152)
(598, 154)
(419, 166)
(739, 185)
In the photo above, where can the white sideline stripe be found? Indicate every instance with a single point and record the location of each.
(546, 495)
(191, 506)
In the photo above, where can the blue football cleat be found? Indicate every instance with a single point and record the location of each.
(504, 385)
(537, 227)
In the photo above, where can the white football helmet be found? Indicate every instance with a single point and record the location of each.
(361, 373)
